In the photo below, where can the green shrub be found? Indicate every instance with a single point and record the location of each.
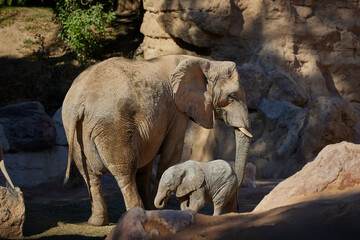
(84, 25)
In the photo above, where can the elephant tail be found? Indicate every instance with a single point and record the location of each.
(70, 140)
(71, 135)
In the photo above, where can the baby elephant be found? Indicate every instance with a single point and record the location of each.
(195, 183)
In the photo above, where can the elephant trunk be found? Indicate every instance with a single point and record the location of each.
(160, 201)
(242, 150)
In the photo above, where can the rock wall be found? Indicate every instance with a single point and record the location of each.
(300, 66)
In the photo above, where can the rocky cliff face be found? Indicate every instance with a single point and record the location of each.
(299, 61)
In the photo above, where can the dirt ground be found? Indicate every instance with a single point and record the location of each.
(55, 212)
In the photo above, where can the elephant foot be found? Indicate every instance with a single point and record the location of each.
(98, 221)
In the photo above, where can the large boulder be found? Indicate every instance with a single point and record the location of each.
(177, 27)
(28, 169)
(335, 170)
(27, 127)
(140, 224)
(12, 213)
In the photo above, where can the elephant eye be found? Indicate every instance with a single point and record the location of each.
(232, 97)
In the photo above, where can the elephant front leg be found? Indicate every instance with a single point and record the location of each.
(184, 202)
(99, 215)
(171, 149)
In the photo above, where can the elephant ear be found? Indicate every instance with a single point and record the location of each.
(193, 179)
(189, 82)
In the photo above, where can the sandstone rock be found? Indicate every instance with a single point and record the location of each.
(284, 88)
(192, 24)
(200, 23)
(140, 224)
(59, 128)
(3, 140)
(127, 6)
(32, 168)
(12, 213)
(335, 169)
(315, 43)
(256, 85)
(274, 152)
(330, 120)
(166, 46)
(151, 28)
(27, 127)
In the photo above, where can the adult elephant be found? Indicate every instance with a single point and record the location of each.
(119, 114)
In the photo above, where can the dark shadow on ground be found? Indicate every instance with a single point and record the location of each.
(72, 237)
(51, 203)
(48, 204)
(329, 217)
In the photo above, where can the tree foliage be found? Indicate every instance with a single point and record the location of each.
(11, 2)
(84, 25)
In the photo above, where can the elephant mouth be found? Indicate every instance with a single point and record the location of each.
(161, 203)
(244, 131)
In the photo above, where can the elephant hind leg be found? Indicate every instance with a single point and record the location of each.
(121, 160)
(99, 215)
(232, 204)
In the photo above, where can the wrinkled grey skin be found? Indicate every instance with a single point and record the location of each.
(195, 183)
(119, 114)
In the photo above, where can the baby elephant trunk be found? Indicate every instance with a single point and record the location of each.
(160, 200)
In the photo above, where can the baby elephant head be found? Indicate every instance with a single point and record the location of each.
(181, 180)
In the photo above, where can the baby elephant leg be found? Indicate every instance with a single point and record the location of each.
(232, 204)
(225, 199)
(197, 199)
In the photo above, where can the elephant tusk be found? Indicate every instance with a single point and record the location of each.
(3, 169)
(246, 132)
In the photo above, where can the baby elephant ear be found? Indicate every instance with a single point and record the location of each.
(193, 179)
(189, 84)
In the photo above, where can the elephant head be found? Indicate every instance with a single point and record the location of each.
(180, 180)
(206, 90)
